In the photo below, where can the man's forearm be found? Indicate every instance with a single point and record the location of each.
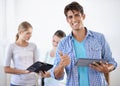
(59, 71)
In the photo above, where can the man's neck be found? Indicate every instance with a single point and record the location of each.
(79, 35)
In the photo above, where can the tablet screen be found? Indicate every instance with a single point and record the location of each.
(86, 62)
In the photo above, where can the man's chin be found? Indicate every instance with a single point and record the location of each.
(76, 29)
(27, 40)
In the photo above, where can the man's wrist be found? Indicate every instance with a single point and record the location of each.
(111, 68)
(61, 65)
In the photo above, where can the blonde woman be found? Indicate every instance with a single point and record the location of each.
(23, 54)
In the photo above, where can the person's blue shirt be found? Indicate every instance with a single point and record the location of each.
(80, 52)
(96, 47)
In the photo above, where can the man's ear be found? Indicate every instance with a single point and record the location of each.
(67, 19)
(84, 16)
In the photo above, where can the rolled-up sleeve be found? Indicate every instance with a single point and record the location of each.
(107, 54)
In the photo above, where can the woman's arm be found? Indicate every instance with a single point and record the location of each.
(10, 70)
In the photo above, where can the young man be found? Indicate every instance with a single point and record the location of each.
(82, 43)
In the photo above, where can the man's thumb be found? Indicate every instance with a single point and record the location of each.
(61, 54)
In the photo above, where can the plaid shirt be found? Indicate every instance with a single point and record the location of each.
(96, 48)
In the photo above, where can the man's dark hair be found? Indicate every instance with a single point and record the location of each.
(73, 6)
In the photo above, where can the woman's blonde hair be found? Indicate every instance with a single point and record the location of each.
(24, 26)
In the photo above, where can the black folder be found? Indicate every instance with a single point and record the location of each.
(39, 66)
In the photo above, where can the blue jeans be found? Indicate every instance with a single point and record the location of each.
(14, 85)
(18, 85)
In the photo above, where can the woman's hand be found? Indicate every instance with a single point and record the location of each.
(44, 74)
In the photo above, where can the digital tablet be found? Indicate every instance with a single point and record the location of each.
(87, 61)
(39, 66)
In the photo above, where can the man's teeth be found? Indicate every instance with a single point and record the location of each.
(75, 23)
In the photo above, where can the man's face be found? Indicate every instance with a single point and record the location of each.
(75, 19)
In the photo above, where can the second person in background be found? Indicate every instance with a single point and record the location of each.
(49, 58)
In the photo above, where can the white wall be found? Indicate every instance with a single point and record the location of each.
(47, 16)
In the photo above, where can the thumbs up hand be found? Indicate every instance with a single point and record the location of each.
(65, 60)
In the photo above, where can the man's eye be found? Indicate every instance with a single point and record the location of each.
(69, 17)
(77, 15)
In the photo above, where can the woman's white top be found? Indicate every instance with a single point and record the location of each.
(22, 58)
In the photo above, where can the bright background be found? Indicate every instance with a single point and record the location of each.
(47, 16)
